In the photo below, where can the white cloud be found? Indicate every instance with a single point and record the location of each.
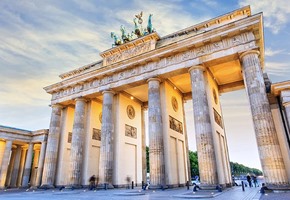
(270, 52)
(211, 3)
(276, 13)
(277, 68)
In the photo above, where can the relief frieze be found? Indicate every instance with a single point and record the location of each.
(137, 50)
(162, 63)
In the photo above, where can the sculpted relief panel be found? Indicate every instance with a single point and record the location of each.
(224, 44)
(128, 53)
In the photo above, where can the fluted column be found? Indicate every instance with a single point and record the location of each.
(5, 162)
(2, 150)
(106, 154)
(188, 177)
(156, 146)
(40, 164)
(50, 161)
(27, 168)
(10, 167)
(21, 167)
(267, 140)
(144, 161)
(76, 153)
(15, 170)
(203, 130)
(34, 166)
(285, 97)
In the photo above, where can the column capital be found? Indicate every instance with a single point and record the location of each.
(109, 91)
(154, 79)
(200, 67)
(286, 104)
(56, 106)
(249, 52)
(80, 99)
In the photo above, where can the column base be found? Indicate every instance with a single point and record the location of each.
(158, 187)
(105, 186)
(47, 186)
(282, 187)
(208, 187)
(72, 187)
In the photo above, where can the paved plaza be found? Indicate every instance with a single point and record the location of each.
(235, 193)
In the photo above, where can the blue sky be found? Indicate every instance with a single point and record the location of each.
(41, 39)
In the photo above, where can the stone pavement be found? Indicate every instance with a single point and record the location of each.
(234, 193)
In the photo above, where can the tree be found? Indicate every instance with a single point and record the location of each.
(239, 169)
(147, 159)
(193, 159)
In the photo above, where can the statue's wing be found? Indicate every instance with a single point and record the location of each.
(141, 13)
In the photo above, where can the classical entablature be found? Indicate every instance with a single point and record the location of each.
(216, 44)
(22, 136)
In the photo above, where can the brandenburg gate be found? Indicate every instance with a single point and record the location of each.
(99, 111)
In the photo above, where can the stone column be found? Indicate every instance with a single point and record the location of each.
(285, 98)
(144, 161)
(4, 164)
(21, 167)
(156, 147)
(27, 168)
(34, 166)
(106, 154)
(40, 164)
(203, 129)
(10, 166)
(76, 153)
(2, 150)
(188, 177)
(50, 161)
(267, 140)
(15, 170)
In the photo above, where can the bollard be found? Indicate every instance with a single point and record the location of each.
(132, 185)
(187, 184)
(142, 184)
(106, 186)
(243, 187)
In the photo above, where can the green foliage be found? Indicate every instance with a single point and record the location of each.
(147, 159)
(193, 159)
(239, 169)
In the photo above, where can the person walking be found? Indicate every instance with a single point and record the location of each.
(255, 181)
(249, 180)
(92, 181)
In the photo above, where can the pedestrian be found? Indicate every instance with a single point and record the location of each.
(264, 188)
(255, 181)
(195, 187)
(92, 181)
(249, 180)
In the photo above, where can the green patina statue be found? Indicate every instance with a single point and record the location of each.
(149, 25)
(117, 40)
(138, 30)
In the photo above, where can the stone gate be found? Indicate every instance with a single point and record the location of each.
(99, 111)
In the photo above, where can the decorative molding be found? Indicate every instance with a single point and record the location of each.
(69, 137)
(96, 134)
(130, 49)
(130, 131)
(176, 125)
(217, 118)
(174, 104)
(130, 112)
(226, 43)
